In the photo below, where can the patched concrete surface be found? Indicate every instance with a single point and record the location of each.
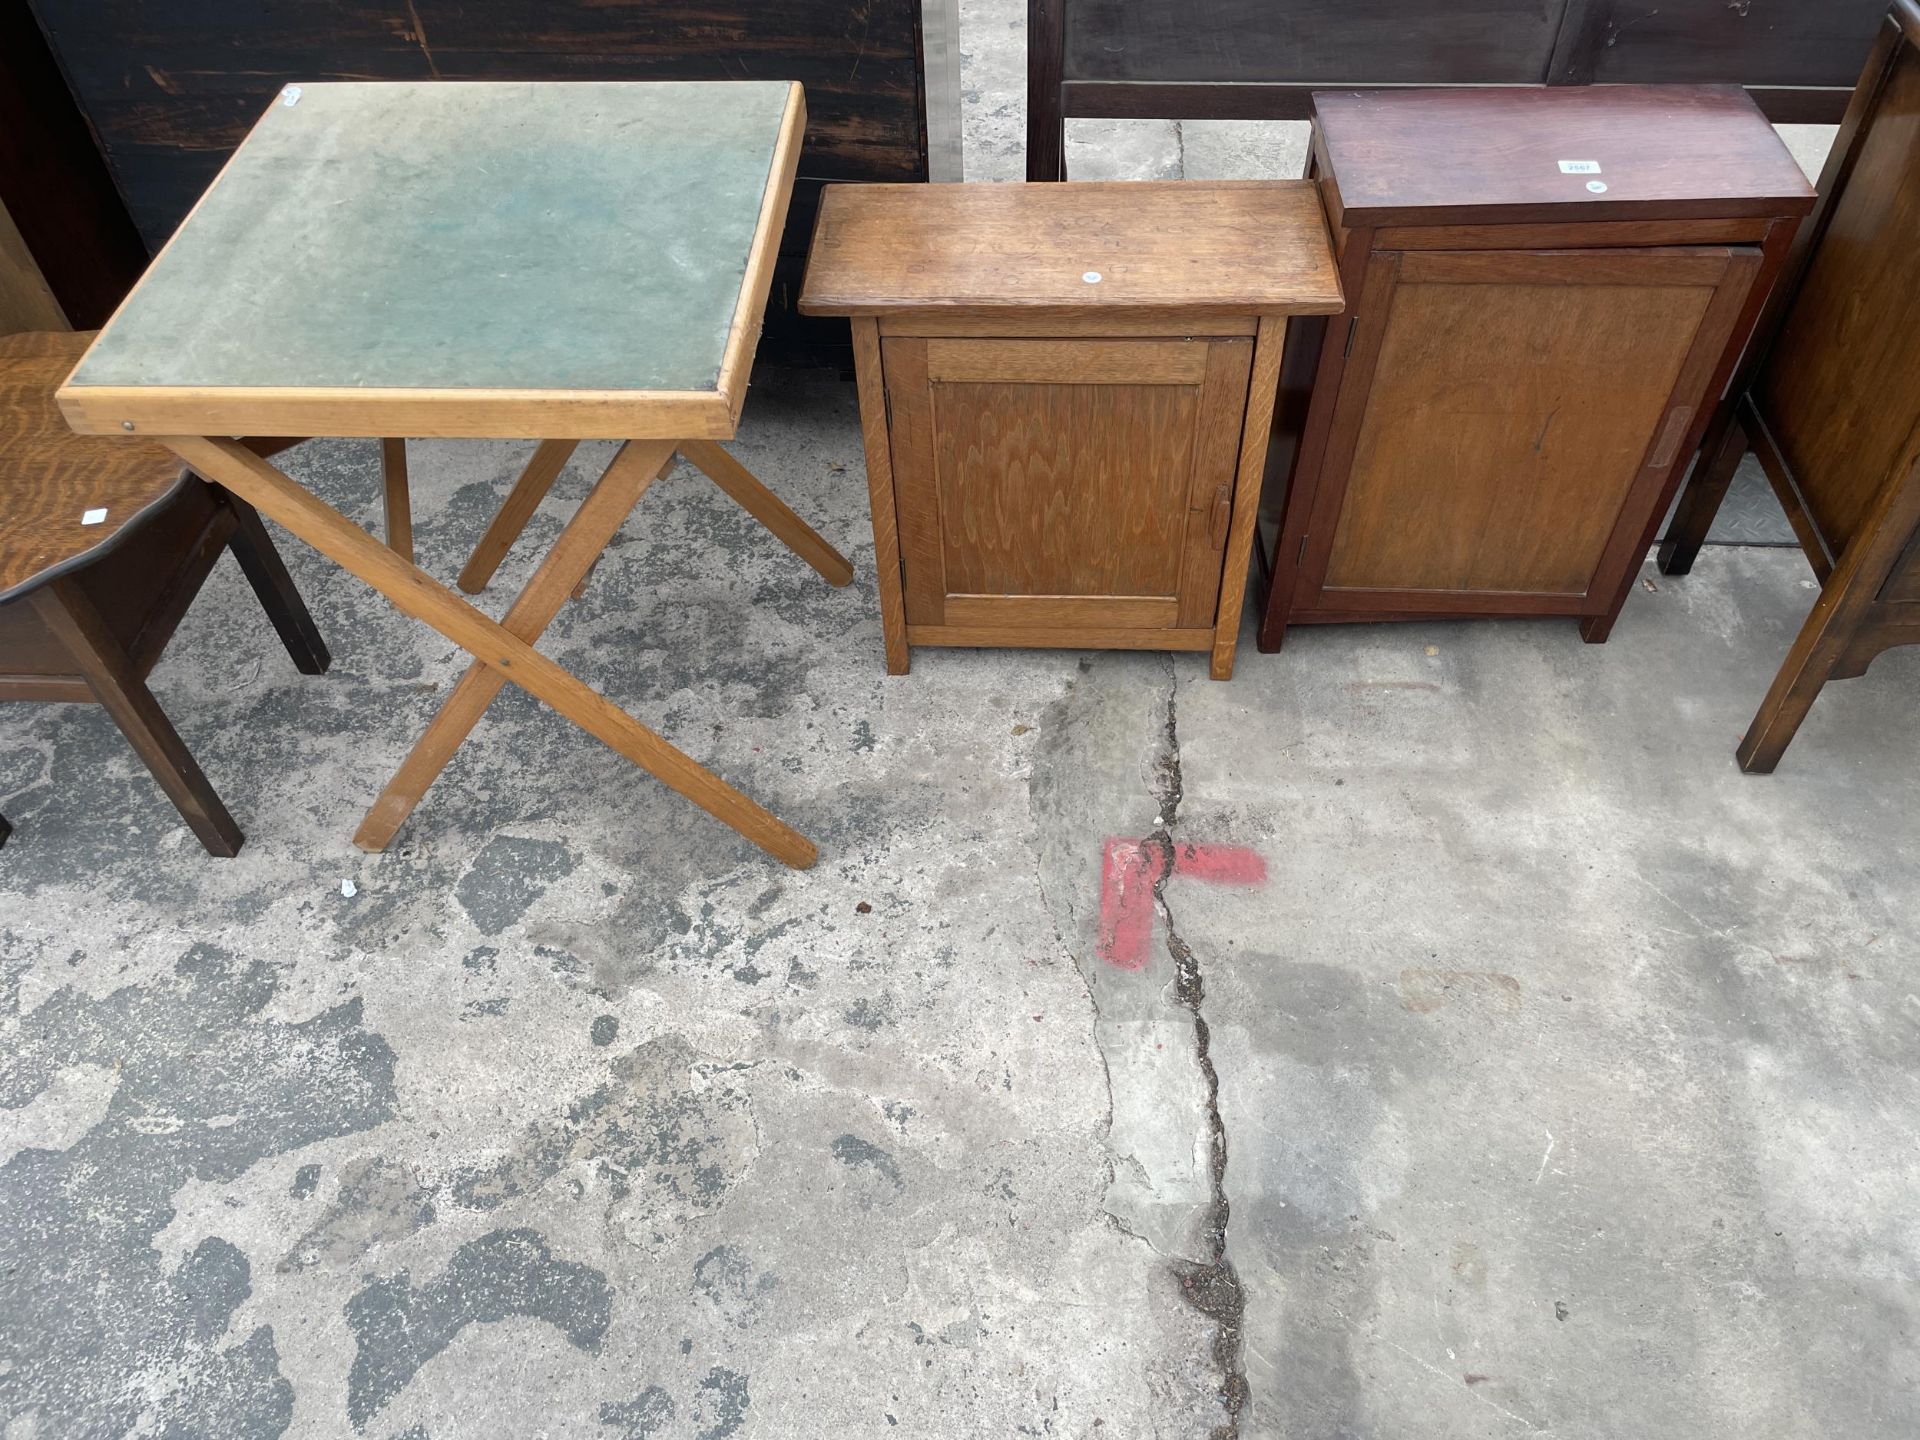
(1543, 1074)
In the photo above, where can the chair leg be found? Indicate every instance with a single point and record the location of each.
(1809, 665)
(63, 607)
(273, 586)
(1701, 501)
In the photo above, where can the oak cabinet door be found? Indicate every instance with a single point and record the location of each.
(1063, 484)
(1509, 423)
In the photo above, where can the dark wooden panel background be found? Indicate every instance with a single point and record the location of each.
(1260, 59)
(170, 86)
(1750, 42)
(1322, 41)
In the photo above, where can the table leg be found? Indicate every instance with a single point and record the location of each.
(599, 518)
(1706, 490)
(273, 587)
(768, 508)
(63, 607)
(415, 593)
(393, 476)
(525, 497)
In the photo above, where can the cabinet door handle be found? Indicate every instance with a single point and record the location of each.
(1669, 442)
(1222, 515)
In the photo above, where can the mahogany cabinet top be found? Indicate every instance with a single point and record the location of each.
(1602, 152)
(1227, 247)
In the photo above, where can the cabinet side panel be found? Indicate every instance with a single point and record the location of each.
(1062, 489)
(1838, 389)
(1505, 428)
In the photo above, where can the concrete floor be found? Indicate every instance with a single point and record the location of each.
(1429, 1033)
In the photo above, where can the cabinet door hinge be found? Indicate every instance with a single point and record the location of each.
(1300, 556)
(1352, 325)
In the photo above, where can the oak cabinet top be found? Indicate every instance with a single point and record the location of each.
(1608, 152)
(1227, 247)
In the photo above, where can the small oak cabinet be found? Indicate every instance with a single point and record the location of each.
(1547, 291)
(1066, 392)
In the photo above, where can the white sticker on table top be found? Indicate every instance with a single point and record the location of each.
(290, 95)
(1598, 187)
(1579, 167)
(93, 517)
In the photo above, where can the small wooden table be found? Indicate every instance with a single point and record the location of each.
(1066, 391)
(561, 261)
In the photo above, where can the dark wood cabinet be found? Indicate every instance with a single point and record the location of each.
(1546, 292)
(1066, 392)
(1827, 400)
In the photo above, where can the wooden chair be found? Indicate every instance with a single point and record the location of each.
(1826, 399)
(104, 546)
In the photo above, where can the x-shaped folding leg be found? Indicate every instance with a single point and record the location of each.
(502, 651)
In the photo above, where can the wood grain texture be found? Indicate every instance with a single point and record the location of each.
(1826, 401)
(471, 414)
(1383, 41)
(1211, 485)
(397, 501)
(745, 490)
(1062, 612)
(1840, 635)
(1473, 156)
(1076, 637)
(415, 593)
(1067, 362)
(869, 375)
(1587, 235)
(1264, 59)
(1770, 43)
(50, 477)
(1114, 324)
(1268, 354)
(206, 70)
(587, 534)
(1047, 475)
(543, 467)
(1249, 247)
(1503, 431)
(69, 615)
(743, 335)
(1836, 388)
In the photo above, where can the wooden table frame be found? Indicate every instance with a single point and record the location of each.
(503, 650)
(194, 421)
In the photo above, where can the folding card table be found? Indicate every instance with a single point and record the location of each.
(559, 261)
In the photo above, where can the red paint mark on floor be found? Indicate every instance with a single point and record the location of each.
(1129, 869)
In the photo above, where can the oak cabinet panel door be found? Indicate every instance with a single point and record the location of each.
(1064, 483)
(1510, 421)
